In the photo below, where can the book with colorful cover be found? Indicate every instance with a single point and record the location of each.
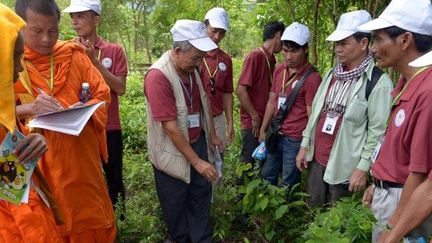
(15, 177)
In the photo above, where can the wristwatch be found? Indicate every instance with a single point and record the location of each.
(388, 227)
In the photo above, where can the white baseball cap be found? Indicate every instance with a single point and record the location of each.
(194, 32)
(411, 15)
(218, 18)
(77, 6)
(348, 25)
(297, 33)
(422, 61)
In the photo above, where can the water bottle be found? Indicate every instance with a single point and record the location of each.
(85, 94)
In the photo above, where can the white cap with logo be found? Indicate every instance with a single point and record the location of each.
(194, 32)
(218, 18)
(411, 15)
(77, 6)
(297, 33)
(348, 25)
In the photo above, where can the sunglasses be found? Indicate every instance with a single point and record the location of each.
(212, 86)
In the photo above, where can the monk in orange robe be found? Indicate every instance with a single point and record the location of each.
(55, 71)
(32, 222)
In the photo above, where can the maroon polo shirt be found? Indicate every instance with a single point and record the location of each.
(296, 120)
(217, 60)
(408, 142)
(160, 96)
(113, 58)
(324, 141)
(256, 76)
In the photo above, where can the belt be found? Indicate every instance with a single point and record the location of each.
(386, 184)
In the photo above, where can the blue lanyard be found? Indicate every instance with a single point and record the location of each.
(189, 95)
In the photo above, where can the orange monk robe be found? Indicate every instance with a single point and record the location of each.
(72, 166)
(32, 222)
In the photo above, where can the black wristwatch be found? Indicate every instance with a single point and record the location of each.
(388, 227)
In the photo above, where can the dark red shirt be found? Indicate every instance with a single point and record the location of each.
(324, 141)
(113, 58)
(221, 62)
(257, 77)
(408, 141)
(160, 96)
(297, 119)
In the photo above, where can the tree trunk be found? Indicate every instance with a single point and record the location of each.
(315, 33)
(291, 12)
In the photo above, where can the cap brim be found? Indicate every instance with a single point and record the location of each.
(203, 44)
(422, 61)
(375, 24)
(299, 41)
(75, 9)
(218, 25)
(338, 35)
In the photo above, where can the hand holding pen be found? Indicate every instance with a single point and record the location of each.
(45, 103)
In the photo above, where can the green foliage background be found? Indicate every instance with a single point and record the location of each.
(255, 212)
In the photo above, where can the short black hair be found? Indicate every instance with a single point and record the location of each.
(272, 28)
(423, 43)
(291, 45)
(360, 35)
(43, 7)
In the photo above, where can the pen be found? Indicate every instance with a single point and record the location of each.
(43, 92)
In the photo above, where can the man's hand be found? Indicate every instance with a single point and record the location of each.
(91, 52)
(256, 124)
(230, 132)
(301, 159)
(217, 142)
(45, 103)
(383, 237)
(357, 180)
(30, 148)
(368, 196)
(205, 169)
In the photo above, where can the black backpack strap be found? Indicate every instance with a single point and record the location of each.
(286, 107)
(376, 75)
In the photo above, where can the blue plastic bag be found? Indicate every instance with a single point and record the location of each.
(260, 152)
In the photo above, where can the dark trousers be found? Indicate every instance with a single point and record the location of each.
(186, 207)
(249, 144)
(320, 192)
(113, 169)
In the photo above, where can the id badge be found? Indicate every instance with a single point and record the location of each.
(194, 120)
(377, 149)
(281, 100)
(330, 125)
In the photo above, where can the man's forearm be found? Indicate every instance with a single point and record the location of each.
(419, 207)
(245, 101)
(117, 84)
(228, 107)
(179, 141)
(413, 181)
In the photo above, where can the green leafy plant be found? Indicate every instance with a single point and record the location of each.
(348, 221)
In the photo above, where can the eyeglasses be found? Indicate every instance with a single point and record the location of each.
(212, 86)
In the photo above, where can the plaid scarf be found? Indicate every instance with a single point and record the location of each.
(337, 98)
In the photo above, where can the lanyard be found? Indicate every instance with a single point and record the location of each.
(284, 86)
(99, 54)
(50, 83)
(268, 64)
(189, 95)
(398, 96)
(208, 68)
